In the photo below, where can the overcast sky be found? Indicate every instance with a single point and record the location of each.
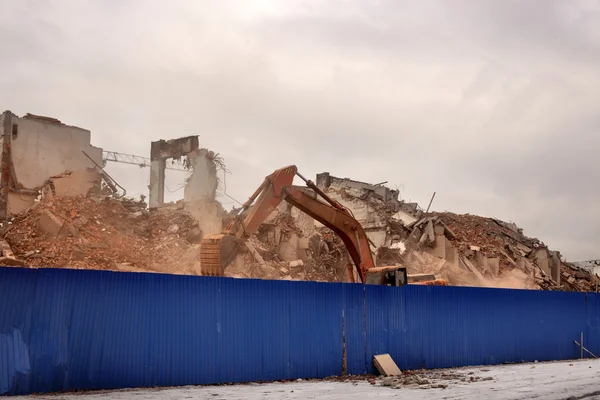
(493, 104)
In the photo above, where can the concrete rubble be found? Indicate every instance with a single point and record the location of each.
(465, 250)
(431, 379)
(103, 233)
(60, 209)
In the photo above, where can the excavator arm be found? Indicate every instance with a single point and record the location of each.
(219, 250)
(341, 222)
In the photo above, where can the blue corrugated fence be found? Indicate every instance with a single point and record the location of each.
(68, 329)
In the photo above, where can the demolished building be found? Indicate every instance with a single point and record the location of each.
(465, 250)
(200, 190)
(41, 153)
(58, 215)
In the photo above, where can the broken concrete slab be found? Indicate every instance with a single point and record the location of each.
(439, 250)
(524, 249)
(404, 218)
(494, 264)
(481, 262)
(452, 254)
(50, 223)
(386, 365)
(288, 249)
(428, 236)
(469, 265)
(541, 259)
(8, 257)
(73, 230)
(439, 229)
(256, 254)
(509, 258)
(80, 222)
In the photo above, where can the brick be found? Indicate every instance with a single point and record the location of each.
(386, 365)
(50, 223)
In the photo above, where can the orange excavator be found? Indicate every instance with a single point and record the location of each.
(218, 250)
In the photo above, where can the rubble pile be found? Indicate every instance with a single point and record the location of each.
(104, 233)
(321, 259)
(101, 232)
(574, 279)
(476, 236)
(432, 379)
(464, 250)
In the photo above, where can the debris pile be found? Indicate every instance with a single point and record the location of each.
(279, 250)
(101, 232)
(104, 233)
(432, 379)
(464, 250)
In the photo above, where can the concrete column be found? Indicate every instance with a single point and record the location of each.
(157, 183)
(555, 267)
(5, 164)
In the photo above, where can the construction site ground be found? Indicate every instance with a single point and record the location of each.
(552, 381)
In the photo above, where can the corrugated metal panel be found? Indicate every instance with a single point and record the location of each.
(68, 329)
(436, 327)
(591, 338)
(17, 288)
(102, 330)
(354, 324)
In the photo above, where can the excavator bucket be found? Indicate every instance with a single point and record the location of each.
(217, 252)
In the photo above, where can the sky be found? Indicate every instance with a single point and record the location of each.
(494, 105)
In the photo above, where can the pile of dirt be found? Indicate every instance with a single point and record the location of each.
(104, 233)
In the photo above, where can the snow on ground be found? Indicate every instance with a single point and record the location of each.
(552, 381)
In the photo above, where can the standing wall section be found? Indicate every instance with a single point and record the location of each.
(64, 329)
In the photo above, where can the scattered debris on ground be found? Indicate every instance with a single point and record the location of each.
(432, 379)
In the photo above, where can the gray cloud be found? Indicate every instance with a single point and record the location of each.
(493, 104)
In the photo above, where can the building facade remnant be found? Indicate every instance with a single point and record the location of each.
(38, 151)
(160, 152)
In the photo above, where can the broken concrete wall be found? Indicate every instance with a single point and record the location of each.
(199, 196)
(209, 215)
(160, 152)
(325, 180)
(202, 183)
(42, 148)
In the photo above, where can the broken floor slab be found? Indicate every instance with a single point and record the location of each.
(50, 223)
(386, 365)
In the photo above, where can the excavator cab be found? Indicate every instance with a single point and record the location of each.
(386, 276)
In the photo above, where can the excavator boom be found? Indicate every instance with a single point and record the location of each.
(219, 250)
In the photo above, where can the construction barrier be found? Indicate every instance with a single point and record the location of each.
(63, 330)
